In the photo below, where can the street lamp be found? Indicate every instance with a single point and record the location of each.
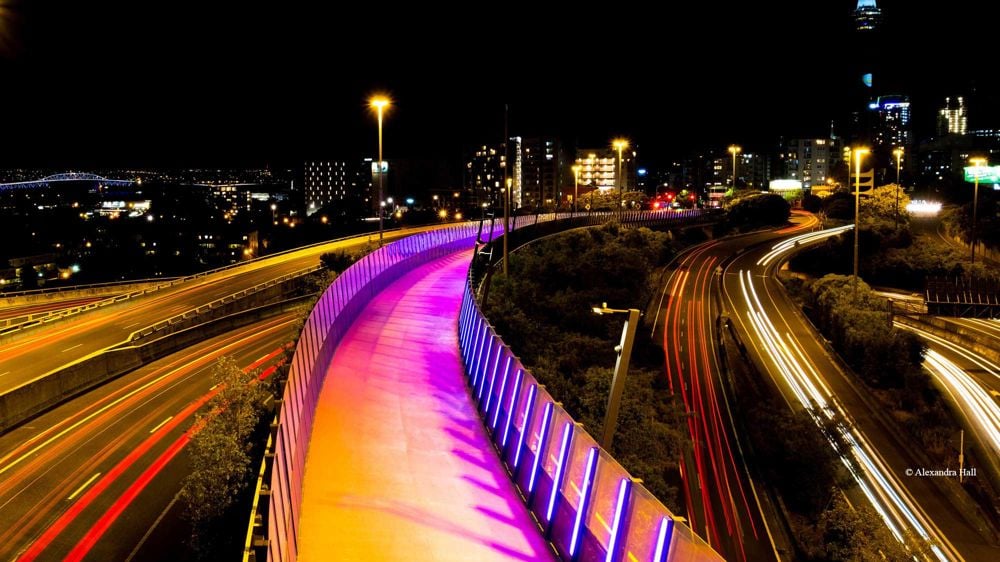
(899, 156)
(620, 145)
(576, 184)
(624, 350)
(274, 211)
(978, 162)
(734, 150)
(379, 103)
(858, 153)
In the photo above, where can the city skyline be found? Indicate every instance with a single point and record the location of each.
(254, 87)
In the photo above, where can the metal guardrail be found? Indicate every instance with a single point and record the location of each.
(272, 529)
(273, 525)
(177, 318)
(18, 323)
(587, 504)
(88, 286)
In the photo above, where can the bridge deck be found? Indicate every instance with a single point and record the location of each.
(399, 466)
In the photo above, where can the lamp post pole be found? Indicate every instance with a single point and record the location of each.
(978, 163)
(734, 150)
(858, 153)
(624, 350)
(576, 185)
(379, 103)
(619, 145)
(899, 156)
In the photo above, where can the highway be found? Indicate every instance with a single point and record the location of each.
(723, 504)
(932, 512)
(90, 479)
(44, 349)
(47, 306)
(971, 383)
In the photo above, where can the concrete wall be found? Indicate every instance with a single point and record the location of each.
(41, 394)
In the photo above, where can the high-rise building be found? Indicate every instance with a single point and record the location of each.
(892, 121)
(329, 181)
(232, 197)
(952, 118)
(541, 167)
(484, 174)
(867, 16)
(599, 168)
(810, 161)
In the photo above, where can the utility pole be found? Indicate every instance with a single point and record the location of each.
(507, 182)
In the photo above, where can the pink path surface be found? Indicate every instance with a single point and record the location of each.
(399, 466)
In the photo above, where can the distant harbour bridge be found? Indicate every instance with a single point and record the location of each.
(65, 177)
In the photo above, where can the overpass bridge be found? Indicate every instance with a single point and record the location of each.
(409, 430)
(66, 177)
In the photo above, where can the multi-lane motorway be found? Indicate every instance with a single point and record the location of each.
(91, 478)
(43, 349)
(933, 512)
(724, 505)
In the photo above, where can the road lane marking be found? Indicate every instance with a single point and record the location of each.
(130, 325)
(84, 485)
(72, 348)
(161, 424)
(4, 373)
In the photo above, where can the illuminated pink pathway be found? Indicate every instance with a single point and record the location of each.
(399, 465)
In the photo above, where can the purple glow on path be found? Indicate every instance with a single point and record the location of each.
(398, 448)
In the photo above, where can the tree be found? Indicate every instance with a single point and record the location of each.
(220, 447)
(759, 209)
(855, 533)
(881, 202)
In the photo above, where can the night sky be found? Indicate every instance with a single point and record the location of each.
(176, 84)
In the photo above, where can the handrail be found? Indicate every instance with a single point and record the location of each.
(570, 498)
(273, 525)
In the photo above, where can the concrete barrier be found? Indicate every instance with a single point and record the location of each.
(41, 394)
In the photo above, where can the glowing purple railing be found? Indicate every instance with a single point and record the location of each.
(273, 531)
(588, 506)
(279, 494)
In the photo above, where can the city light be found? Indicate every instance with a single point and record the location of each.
(919, 208)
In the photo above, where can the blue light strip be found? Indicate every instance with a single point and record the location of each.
(541, 446)
(493, 378)
(483, 338)
(581, 508)
(560, 469)
(663, 540)
(529, 407)
(503, 387)
(485, 368)
(515, 395)
(475, 348)
(463, 323)
(623, 489)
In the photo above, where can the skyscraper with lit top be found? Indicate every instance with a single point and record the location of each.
(867, 16)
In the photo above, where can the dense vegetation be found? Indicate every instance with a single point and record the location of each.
(890, 254)
(542, 309)
(755, 210)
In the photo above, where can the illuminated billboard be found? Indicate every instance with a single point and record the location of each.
(784, 185)
(987, 174)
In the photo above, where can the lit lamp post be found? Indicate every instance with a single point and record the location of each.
(274, 211)
(858, 154)
(379, 103)
(899, 157)
(978, 163)
(576, 184)
(734, 150)
(624, 350)
(620, 145)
